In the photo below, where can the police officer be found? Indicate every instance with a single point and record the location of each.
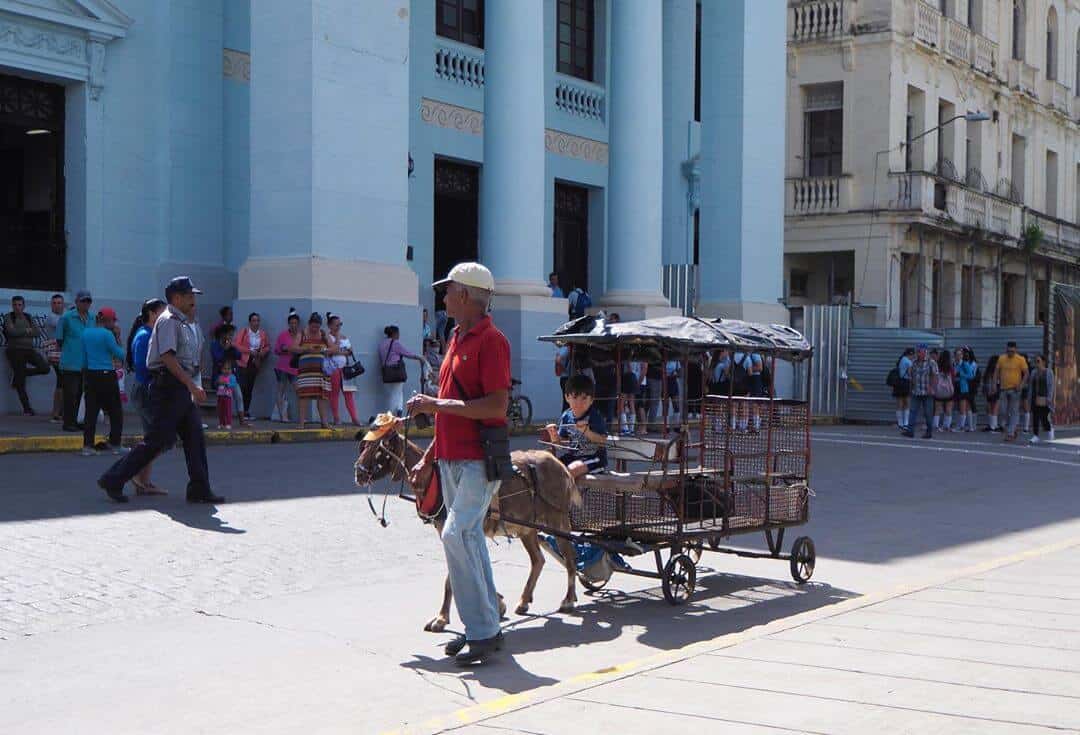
(175, 391)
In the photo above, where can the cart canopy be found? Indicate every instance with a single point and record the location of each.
(648, 339)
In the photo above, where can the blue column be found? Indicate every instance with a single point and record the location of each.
(512, 180)
(636, 145)
(680, 21)
(742, 158)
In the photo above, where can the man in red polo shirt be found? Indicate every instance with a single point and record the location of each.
(474, 385)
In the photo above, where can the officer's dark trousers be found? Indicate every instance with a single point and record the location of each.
(173, 414)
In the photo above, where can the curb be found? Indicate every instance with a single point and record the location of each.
(73, 442)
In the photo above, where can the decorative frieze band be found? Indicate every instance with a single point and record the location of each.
(46, 43)
(236, 65)
(462, 119)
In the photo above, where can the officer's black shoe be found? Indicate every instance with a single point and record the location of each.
(207, 498)
(477, 652)
(113, 493)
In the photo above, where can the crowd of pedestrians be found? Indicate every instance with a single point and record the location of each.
(313, 365)
(941, 390)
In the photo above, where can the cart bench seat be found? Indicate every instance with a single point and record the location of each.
(644, 481)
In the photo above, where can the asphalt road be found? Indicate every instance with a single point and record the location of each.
(290, 607)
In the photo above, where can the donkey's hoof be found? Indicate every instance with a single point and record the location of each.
(502, 607)
(522, 609)
(567, 606)
(436, 625)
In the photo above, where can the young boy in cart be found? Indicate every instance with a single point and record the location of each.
(582, 429)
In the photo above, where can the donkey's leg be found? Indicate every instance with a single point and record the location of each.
(531, 542)
(570, 560)
(438, 623)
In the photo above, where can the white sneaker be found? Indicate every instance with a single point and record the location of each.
(1050, 436)
(119, 450)
(88, 452)
(1034, 440)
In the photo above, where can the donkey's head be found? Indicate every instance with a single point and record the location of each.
(382, 452)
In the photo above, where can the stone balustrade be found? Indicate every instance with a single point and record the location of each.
(1056, 232)
(1021, 75)
(935, 196)
(579, 98)
(927, 24)
(984, 54)
(957, 40)
(818, 195)
(460, 63)
(819, 20)
(1059, 96)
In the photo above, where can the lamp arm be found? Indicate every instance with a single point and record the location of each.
(925, 133)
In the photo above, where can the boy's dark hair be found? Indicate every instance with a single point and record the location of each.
(1010, 343)
(580, 385)
(222, 330)
(232, 357)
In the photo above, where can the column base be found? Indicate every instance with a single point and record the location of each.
(634, 305)
(749, 311)
(367, 295)
(509, 287)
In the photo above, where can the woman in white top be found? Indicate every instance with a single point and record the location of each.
(343, 347)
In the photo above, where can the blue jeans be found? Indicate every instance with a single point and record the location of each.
(922, 405)
(467, 494)
(1011, 399)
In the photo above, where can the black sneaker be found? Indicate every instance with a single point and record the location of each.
(453, 648)
(477, 652)
(207, 498)
(116, 494)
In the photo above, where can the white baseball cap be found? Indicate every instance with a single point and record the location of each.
(469, 274)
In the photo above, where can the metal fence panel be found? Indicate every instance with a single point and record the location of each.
(987, 341)
(826, 328)
(872, 353)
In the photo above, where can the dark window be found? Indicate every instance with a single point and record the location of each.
(909, 131)
(457, 217)
(572, 236)
(1018, 30)
(574, 40)
(798, 284)
(33, 248)
(461, 20)
(824, 142)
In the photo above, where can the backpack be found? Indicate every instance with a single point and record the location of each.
(893, 378)
(941, 387)
(579, 301)
(740, 373)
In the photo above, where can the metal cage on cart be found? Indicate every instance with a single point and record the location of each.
(742, 465)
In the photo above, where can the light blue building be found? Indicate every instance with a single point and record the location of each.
(341, 154)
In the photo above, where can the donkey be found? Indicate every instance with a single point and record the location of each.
(542, 491)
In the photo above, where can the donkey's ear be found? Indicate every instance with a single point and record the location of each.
(359, 436)
(399, 425)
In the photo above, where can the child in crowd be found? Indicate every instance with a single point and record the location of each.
(226, 385)
(581, 429)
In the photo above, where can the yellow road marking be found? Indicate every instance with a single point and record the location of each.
(513, 702)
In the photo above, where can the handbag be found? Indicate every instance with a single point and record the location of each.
(352, 369)
(393, 373)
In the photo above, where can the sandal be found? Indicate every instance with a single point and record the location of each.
(147, 489)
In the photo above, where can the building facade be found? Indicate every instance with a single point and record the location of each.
(340, 155)
(964, 225)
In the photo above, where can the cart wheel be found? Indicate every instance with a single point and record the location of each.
(680, 575)
(591, 586)
(803, 557)
(714, 542)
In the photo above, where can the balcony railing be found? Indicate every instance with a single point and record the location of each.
(927, 24)
(966, 206)
(985, 54)
(579, 98)
(818, 195)
(957, 40)
(459, 62)
(1022, 76)
(1059, 95)
(820, 20)
(1056, 232)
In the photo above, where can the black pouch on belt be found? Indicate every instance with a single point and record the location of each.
(495, 442)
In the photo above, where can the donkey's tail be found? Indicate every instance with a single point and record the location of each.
(572, 491)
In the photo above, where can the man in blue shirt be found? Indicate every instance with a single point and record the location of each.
(101, 345)
(69, 331)
(553, 284)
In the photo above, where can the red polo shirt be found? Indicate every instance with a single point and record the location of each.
(480, 360)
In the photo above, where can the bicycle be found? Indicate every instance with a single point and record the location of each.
(519, 410)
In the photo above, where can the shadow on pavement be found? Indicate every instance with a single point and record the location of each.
(722, 604)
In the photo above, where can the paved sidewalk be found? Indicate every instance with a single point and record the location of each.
(995, 649)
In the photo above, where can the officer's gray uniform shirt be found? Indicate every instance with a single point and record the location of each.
(174, 333)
